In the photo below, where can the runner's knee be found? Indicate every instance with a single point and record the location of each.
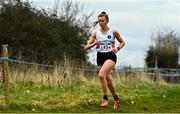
(102, 74)
(109, 82)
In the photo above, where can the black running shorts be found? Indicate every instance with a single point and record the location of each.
(102, 57)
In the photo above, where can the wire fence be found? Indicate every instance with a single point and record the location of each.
(169, 74)
(163, 71)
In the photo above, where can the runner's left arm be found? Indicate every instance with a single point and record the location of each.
(120, 39)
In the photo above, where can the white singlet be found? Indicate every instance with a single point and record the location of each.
(105, 40)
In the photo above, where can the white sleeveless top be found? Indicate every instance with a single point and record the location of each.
(105, 40)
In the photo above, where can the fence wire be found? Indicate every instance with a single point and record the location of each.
(149, 71)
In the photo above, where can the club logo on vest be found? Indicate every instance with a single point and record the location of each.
(109, 36)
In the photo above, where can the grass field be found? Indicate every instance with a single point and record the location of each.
(84, 95)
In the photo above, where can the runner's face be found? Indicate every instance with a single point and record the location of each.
(102, 21)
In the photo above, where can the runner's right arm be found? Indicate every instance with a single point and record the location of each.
(91, 42)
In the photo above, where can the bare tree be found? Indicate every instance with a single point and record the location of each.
(73, 12)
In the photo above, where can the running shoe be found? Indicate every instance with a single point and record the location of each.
(116, 105)
(104, 103)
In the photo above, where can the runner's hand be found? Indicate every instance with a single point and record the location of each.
(97, 43)
(115, 50)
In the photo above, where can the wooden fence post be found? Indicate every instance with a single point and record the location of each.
(5, 74)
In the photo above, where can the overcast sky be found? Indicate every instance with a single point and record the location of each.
(136, 20)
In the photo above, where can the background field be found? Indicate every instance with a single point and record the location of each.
(66, 91)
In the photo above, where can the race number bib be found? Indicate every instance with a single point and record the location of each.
(105, 46)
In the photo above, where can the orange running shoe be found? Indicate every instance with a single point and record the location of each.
(116, 104)
(104, 103)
